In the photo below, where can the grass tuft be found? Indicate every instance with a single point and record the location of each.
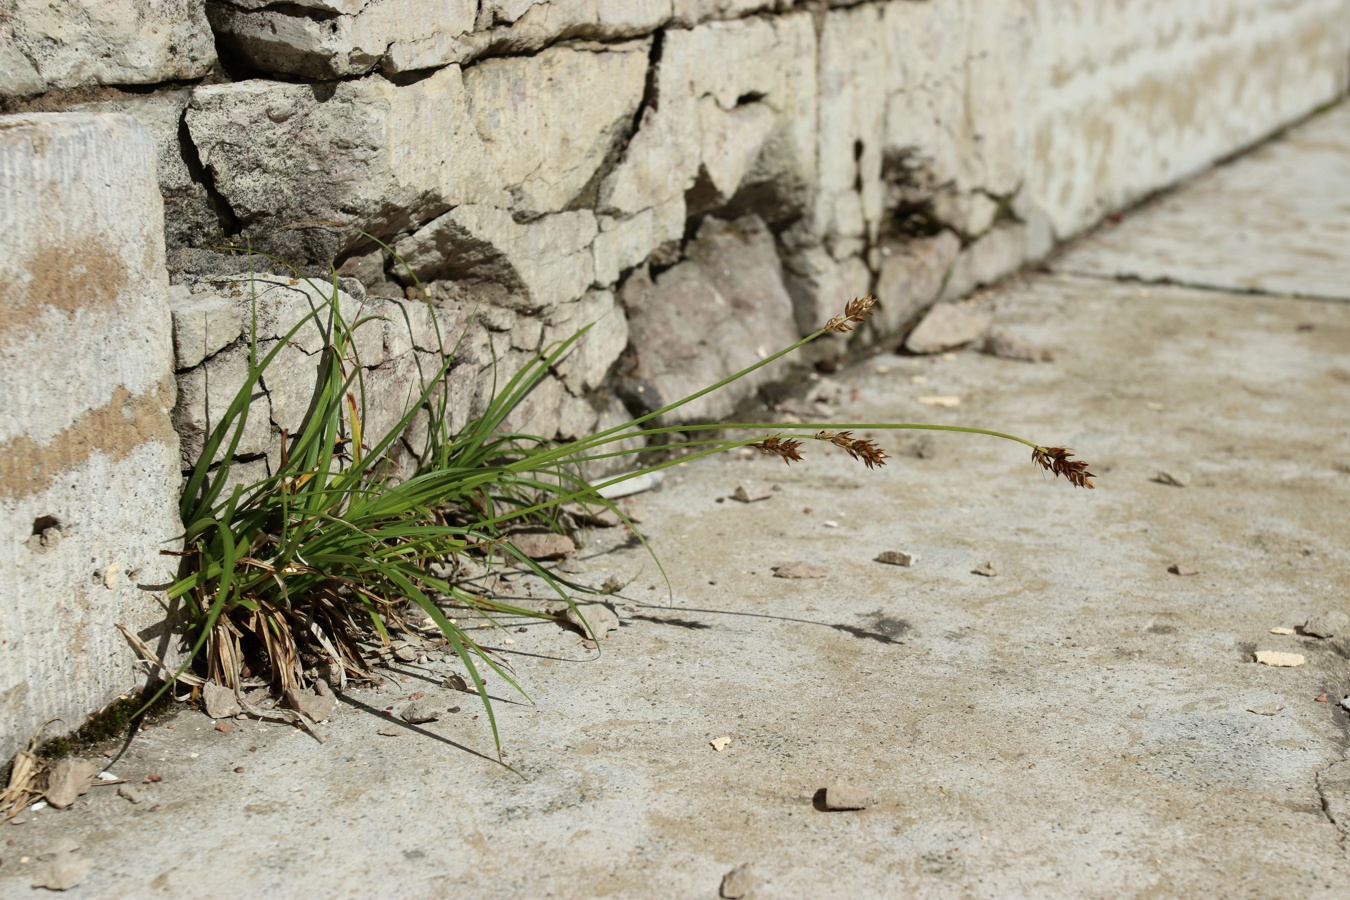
(303, 576)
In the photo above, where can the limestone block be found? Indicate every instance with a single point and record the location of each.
(625, 242)
(89, 473)
(954, 72)
(76, 43)
(820, 285)
(710, 316)
(190, 219)
(550, 120)
(203, 323)
(998, 253)
(371, 153)
(522, 133)
(347, 38)
(910, 279)
(542, 264)
(205, 394)
(589, 359)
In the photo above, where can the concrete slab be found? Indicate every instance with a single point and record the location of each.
(89, 477)
(1085, 723)
(1276, 220)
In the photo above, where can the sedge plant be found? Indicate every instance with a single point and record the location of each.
(290, 579)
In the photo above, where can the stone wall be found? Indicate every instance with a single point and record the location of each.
(703, 179)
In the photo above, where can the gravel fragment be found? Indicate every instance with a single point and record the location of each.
(737, 883)
(595, 620)
(419, 711)
(897, 558)
(799, 569)
(68, 780)
(987, 569)
(1278, 659)
(219, 702)
(845, 796)
(1328, 624)
(749, 492)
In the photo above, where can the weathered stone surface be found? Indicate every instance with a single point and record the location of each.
(710, 316)
(548, 122)
(736, 111)
(541, 264)
(18, 77)
(993, 256)
(90, 460)
(948, 326)
(1123, 99)
(400, 34)
(190, 216)
(820, 285)
(910, 279)
(522, 134)
(372, 154)
(586, 363)
(204, 322)
(205, 394)
(85, 42)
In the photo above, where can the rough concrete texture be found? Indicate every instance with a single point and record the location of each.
(1209, 234)
(88, 458)
(76, 43)
(1084, 723)
(1187, 83)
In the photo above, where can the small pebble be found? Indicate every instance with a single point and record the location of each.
(987, 569)
(1328, 624)
(737, 883)
(127, 792)
(897, 558)
(843, 796)
(1174, 479)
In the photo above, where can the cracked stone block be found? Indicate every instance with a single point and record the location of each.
(78, 43)
(710, 316)
(190, 218)
(204, 395)
(203, 323)
(819, 286)
(345, 38)
(18, 76)
(585, 365)
(549, 123)
(541, 264)
(736, 114)
(371, 153)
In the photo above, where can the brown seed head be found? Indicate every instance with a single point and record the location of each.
(784, 447)
(855, 311)
(1056, 460)
(858, 448)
